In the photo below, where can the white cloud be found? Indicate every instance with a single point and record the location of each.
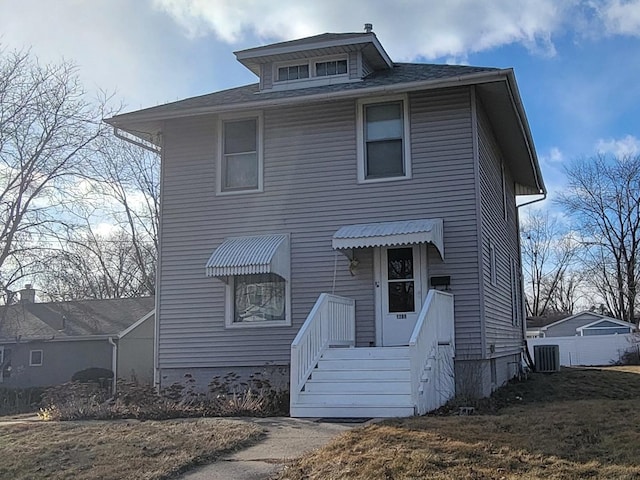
(621, 16)
(554, 156)
(626, 146)
(419, 28)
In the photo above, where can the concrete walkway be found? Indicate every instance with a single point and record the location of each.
(286, 439)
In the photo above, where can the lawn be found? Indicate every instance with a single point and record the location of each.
(572, 424)
(116, 449)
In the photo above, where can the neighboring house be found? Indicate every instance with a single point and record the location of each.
(44, 344)
(582, 324)
(344, 200)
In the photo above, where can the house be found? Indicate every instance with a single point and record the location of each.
(582, 324)
(347, 220)
(43, 344)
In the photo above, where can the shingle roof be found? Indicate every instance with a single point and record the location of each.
(300, 42)
(73, 318)
(400, 73)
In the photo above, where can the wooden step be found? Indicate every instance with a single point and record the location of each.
(357, 386)
(364, 364)
(350, 411)
(366, 353)
(356, 375)
(355, 400)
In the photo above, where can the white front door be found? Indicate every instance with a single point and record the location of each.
(401, 274)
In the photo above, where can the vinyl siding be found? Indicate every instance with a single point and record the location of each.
(500, 330)
(310, 190)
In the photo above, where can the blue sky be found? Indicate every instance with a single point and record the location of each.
(577, 62)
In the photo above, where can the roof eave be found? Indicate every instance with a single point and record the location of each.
(134, 118)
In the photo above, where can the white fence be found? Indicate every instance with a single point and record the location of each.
(589, 350)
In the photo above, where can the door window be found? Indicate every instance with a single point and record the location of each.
(401, 280)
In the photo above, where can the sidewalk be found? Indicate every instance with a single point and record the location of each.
(286, 439)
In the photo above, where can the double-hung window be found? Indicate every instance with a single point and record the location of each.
(240, 157)
(35, 358)
(383, 140)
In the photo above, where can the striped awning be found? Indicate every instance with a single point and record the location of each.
(388, 234)
(250, 255)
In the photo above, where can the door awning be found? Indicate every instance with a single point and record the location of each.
(250, 255)
(388, 234)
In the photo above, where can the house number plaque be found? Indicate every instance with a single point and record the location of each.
(400, 316)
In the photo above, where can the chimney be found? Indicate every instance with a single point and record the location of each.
(368, 28)
(28, 294)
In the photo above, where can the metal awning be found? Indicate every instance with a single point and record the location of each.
(387, 234)
(250, 255)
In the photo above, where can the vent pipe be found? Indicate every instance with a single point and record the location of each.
(368, 28)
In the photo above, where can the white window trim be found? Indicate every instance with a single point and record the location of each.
(406, 137)
(230, 305)
(240, 116)
(31, 364)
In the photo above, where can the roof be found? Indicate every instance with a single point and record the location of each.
(78, 318)
(315, 46)
(250, 255)
(401, 73)
(386, 234)
(598, 318)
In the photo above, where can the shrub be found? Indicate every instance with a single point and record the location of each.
(227, 396)
(630, 357)
(20, 400)
(101, 376)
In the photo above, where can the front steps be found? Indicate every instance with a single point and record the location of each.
(358, 382)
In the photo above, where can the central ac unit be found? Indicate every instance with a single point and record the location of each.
(546, 358)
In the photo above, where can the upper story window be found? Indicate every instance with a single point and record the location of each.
(383, 140)
(240, 157)
(293, 72)
(318, 70)
(333, 67)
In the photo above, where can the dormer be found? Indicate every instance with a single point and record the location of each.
(326, 59)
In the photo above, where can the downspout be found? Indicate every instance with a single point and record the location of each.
(114, 364)
(528, 358)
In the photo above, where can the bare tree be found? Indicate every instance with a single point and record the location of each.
(47, 131)
(127, 177)
(603, 198)
(548, 254)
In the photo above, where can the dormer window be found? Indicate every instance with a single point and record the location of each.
(319, 70)
(293, 72)
(334, 67)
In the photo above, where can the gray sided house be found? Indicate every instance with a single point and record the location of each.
(581, 324)
(347, 219)
(43, 344)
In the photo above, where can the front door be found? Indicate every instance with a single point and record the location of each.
(400, 294)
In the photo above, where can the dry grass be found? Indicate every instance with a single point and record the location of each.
(574, 424)
(116, 449)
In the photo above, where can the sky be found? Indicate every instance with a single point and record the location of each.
(577, 62)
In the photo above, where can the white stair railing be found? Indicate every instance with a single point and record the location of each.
(332, 321)
(431, 352)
